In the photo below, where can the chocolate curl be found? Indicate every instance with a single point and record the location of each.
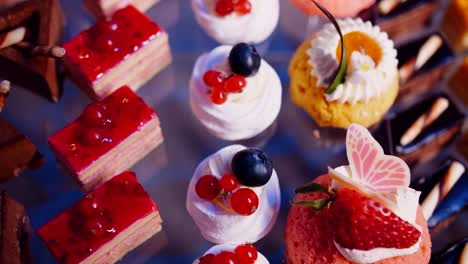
(56, 52)
(12, 37)
(437, 109)
(427, 50)
(5, 87)
(441, 189)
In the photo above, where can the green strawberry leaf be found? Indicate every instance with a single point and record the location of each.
(311, 188)
(341, 73)
(317, 205)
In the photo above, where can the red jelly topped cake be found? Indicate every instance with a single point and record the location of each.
(108, 138)
(104, 225)
(127, 49)
(108, 7)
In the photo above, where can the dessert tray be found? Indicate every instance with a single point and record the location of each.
(299, 149)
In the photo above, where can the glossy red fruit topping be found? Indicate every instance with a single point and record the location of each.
(93, 228)
(208, 187)
(92, 136)
(104, 27)
(235, 84)
(362, 223)
(225, 257)
(229, 182)
(224, 7)
(90, 206)
(214, 79)
(105, 43)
(244, 201)
(207, 259)
(93, 115)
(218, 96)
(246, 254)
(243, 7)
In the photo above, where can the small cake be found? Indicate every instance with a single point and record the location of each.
(371, 59)
(127, 49)
(106, 8)
(17, 152)
(232, 253)
(4, 92)
(230, 22)
(458, 80)
(31, 57)
(234, 93)
(234, 195)
(339, 8)
(455, 24)
(361, 213)
(14, 232)
(108, 138)
(421, 132)
(104, 225)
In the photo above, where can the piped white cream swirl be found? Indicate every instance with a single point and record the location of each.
(364, 80)
(220, 226)
(230, 248)
(254, 27)
(243, 115)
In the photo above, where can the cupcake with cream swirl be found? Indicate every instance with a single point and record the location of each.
(234, 93)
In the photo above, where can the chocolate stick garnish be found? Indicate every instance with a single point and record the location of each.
(17, 14)
(387, 6)
(427, 50)
(40, 50)
(441, 189)
(439, 107)
(12, 37)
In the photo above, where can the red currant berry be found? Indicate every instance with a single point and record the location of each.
(214, 79)
(93, 228)
(246, 253)
(104, 43)
(93, 115)
(224, 7)
(208, 187)
(229, 182)
(243, 7)
(90, 206)
(244, 201)
(218, 96)
(225, 257)
(92, 136)
(104, 27)
(207, 259)
(235, 84)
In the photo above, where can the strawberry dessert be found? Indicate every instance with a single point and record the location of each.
(105, 224)
(106, 8)
(233, 21)
(234, 93)
(232, 254)
(108, 138)
(126, 49)
(362, 213)
(234, 195)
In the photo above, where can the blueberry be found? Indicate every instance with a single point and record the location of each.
(252, 167)
(244, 59)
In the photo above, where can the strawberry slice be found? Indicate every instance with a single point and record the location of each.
(362, 223)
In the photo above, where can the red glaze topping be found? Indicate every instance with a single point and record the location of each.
(79, 231)
(102, 126)
(108, 42)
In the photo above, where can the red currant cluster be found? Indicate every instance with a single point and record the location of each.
(243, 201)
(226, 7)
(243, 254)
(221, 85)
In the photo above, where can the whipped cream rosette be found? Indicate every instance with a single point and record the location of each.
(234, 195)
(243, 253)
(250, 21)
(234, 93)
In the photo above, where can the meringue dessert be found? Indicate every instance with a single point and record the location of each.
(230, 22)
(369, 84)
(361, 213)
(230, 253)
(234, 93)
(234, 195)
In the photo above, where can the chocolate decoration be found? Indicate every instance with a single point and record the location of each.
(430, 74)
(17, 152)
(14, 232)
(431, 140)
(44, 20)
(451, 254)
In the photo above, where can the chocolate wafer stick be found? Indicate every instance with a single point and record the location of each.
(387, 6)
(441, 189)
(12, 37)
(40, 50)
(427, 50)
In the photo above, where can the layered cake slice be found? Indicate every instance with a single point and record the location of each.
(128, 49)
(17, 152)
(108, 138)
(105, 224)
(108, 7)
